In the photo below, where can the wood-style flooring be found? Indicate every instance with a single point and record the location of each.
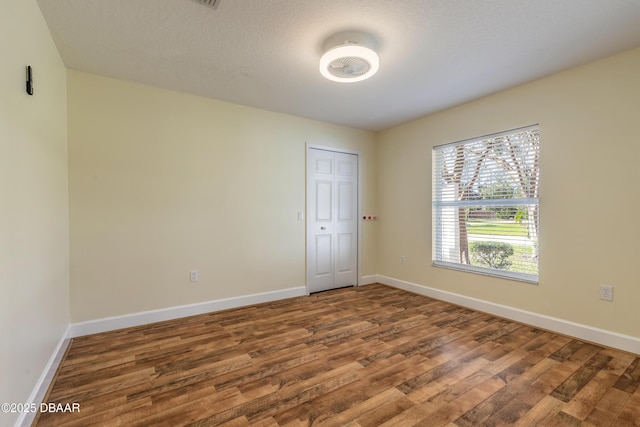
(367, 356)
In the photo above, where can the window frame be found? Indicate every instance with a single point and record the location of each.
(438, 204)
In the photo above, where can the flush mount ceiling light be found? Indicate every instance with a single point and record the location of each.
(351, 60)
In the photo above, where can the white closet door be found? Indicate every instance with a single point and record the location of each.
(332, 219)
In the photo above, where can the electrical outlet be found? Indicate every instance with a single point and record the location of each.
(402, 260)
(606, 292)
(193, 276)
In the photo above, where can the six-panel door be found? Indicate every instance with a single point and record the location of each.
(332, 215)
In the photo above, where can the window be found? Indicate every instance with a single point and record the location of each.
(485, 204)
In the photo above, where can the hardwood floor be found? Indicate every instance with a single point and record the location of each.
(368, 356)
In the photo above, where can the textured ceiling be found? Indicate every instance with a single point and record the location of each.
(434, 54)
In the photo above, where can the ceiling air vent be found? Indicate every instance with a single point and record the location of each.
(209, 3)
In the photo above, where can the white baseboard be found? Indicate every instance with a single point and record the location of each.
(42, 385)
(368, 280)
(561, 326)
(142, 318)
(170, 313)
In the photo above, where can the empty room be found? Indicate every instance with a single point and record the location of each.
(293, 213)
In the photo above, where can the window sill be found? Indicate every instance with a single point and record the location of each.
(510, 275)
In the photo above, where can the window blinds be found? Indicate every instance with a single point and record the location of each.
(485, 204)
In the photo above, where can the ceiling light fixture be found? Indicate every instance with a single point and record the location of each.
(350, 61)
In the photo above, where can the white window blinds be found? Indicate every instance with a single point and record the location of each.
(485, 204)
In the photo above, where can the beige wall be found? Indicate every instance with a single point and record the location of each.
(589, 199)
(34, 254)
(162, 183)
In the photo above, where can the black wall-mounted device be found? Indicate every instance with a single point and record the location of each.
(29, 80)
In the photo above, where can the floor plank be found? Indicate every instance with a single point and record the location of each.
(367, 356)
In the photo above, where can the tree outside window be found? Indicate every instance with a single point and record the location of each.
(485, 204)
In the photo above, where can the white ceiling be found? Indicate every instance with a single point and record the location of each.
(434, 54)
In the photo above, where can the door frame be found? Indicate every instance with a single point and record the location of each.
(309, 146)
